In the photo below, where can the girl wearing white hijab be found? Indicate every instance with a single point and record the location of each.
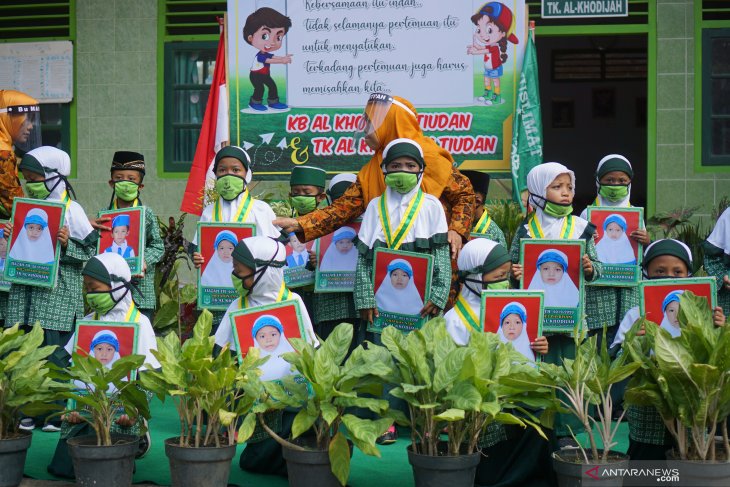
(717, 258)
(341, 255)
(615, 247)
(670, 309)
(34, 242)
(552, 277)
(398, 293)
(514, 318)
(263, 259)
(218, 271)
(403, 218)
(268, 336)
(105, 337)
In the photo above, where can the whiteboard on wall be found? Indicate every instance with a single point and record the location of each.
(43, 70)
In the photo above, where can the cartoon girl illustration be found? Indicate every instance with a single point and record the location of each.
(495, 27)
(615, 247)
(552, 277)
(268, 336)
(398, 293)
(34, 242)
(341, 255)
(670, 308)
(513, 329)
(218, 271)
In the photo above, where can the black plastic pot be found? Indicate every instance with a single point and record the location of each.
(709, 474)
(110, 466)
(309, 468)
(198, 467)
(12, 458)
(570, 468)
(437, 471)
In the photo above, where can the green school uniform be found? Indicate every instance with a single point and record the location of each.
(716, 267)
(487, 228)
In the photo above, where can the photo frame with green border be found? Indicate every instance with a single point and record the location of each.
(558, 319)
(619, 275)
(333, 281)
(22, 272)
(218, 298)
(678, 284)
(515, 295)
(401, 321)
(135, 263)
(299, 276)
(4, 285)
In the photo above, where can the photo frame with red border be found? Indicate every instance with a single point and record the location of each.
(652, 294)
(333, 281)
(126, 334)
(624, 275)
(4, 285)
(493, 302)
(298, 276)
(136, 239)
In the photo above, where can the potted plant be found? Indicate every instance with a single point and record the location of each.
(26, 388)
(332, 386)
(460, 389)
(100, 396)
(210, 394)
(687, 380)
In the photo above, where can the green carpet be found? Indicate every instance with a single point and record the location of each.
(392, 469)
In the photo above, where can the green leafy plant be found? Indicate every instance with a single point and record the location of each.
(460, 388)
(508, 216)
(26, 378)
(333, 385)
(687, 379)
(665, 224)
(103, 394)
(210, 393)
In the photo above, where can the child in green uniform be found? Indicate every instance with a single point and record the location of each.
(551, 189)
(45, 170)
(3, 256)
(648, 437)
(606, 305)
(127, 176)
(483, 224)
(717, 259)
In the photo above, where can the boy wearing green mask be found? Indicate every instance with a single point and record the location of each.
(606, 305)
(126, 180)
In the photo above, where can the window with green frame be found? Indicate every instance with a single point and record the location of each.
(188, 44)
(37, 21)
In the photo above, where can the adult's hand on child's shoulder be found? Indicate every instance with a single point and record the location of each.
(99, 224)
(198, 260)
(289, 225)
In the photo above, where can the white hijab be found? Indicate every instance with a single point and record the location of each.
(406, 301)
(615, 251)
(40, 250)
(472, 255)
(55, 162)
(333, 259)
(538, 180)
(218, 273)
(564, 294)
(672, 297)
(120, 274)
(276, 367)
(720, 236)
(522, 342)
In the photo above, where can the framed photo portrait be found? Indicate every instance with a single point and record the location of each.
(297, 256)
(337, 260)
(659, 299)
(4, 285)
(515, 316)
(619, 254)
(216, 242)
(106, 341)
(402, 285)
(34, 247)
(269, 328)
(555, 267)
(127, 237)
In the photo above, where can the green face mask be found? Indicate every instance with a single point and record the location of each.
(100, 303)
(229, 187)
(238, 285)
(401, 182)
(616, 192)
(304, 204)
(497, 286)
(557, 211)
(126, 190)
(37, 190)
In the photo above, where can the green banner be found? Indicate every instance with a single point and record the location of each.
(584, 8)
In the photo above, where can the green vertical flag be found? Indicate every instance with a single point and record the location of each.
(527, 123)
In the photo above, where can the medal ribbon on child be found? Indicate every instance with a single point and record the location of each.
(466, 313)
(243, 210)
(284, 294)
(483, 223)
(536, 228)
(132, 315)
(395, 239)
(135, 203)
(66, 199)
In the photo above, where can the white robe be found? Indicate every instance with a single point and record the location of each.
(617, 251)
(217, 273)
(406, 301)
(261, 215)
(521, 343)
(276, 367)
(40, 250)
(563, 294)
(334, 260)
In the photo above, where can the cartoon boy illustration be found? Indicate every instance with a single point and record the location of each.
(265, 30)
(495, 26)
